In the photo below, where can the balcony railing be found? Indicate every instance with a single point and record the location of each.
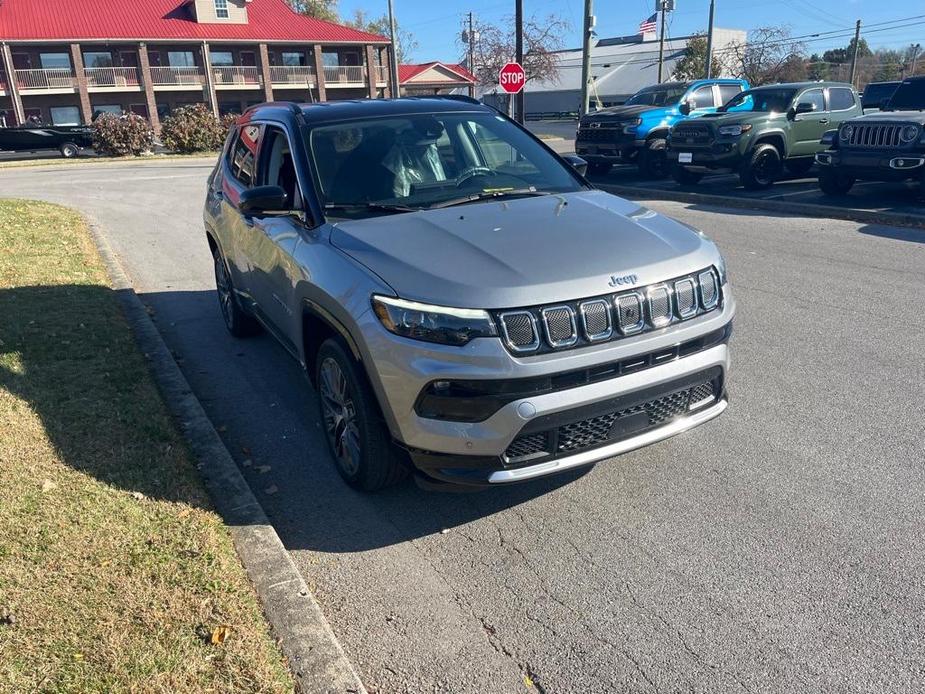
(344, 74)
(112, 77)
(176, 76)
(292, 74)
(54, 78)
(382, 73)
(235, 74)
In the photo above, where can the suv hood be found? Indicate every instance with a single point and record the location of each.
(740, 117)
(891, 116)
(619, 113)
(524, 251)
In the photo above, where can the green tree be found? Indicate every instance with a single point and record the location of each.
(320, 9)
(405, 45)
(817, 68)
(693, 64)
(845, 55)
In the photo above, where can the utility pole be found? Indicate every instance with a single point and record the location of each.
(393, 54)
(586, 57)
(915, 55)
(471, 42)
(519, 57)
(661, 41)
(710, 41)
(854, 57)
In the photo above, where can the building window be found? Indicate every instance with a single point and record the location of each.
(221, 58)
(181, 59)
(221, 9)
(98, 59)
(55, 61)
(114, 109)
(293, 59)
(65, 115)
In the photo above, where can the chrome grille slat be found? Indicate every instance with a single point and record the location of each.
(540, 329)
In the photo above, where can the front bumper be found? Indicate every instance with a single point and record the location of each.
(874, 165)
(618, 147)
(720, 156)
(472, 452)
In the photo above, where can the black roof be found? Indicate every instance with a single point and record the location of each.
(369, 108)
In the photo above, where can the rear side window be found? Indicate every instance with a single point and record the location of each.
(727, 91)
(242, 156)
(840, 99)
(703, 98)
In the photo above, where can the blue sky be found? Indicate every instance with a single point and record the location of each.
(435, 25)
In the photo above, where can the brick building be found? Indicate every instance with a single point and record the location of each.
(64, 61)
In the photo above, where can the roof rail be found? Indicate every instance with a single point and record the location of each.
(452, 97)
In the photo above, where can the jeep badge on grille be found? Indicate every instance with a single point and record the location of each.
(623, 280)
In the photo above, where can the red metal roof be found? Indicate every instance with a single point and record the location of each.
(268, 20)
(406, 72)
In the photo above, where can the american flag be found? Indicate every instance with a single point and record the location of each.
(647, 26)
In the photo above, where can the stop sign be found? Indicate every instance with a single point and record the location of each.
(512, 78)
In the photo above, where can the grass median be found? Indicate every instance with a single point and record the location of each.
(115, 574)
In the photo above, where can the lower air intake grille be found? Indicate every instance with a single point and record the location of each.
(525, 447)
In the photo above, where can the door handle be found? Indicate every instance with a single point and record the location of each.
(824, 121)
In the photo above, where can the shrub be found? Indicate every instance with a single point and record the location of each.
(192, 129)
(121, 136)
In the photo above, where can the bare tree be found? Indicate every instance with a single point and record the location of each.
(769, 55)
(405, 43)
(495, 47)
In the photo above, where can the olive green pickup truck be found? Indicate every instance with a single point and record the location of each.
(761, 132)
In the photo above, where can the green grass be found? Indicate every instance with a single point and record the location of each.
(114, 570)
(102, 160)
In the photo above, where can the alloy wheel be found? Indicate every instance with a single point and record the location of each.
(223, 287)
(340, 417)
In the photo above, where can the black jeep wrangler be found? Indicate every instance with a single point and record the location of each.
(884, 146)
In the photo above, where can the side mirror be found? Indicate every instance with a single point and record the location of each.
(685, 108)
(263, 199)
(804, 107)
(577, 163)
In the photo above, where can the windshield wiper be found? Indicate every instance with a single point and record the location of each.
(369, 206)
(489, 195)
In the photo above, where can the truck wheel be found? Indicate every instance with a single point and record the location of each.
(834, 183)
(69, 150)
(799, 167)
(358, 438)
(685, 177)
(237, 321)
(599, 168)
(652, 160)
(762, 168)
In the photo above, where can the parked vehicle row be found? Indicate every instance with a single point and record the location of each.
(682, 130)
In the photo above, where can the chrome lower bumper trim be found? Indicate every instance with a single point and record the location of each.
(587, 457)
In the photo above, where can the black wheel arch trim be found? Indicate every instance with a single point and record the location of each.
(321, 313)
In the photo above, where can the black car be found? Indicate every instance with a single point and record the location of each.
(885, 146)
(67, 139)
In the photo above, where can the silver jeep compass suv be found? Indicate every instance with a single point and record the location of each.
(465, 304)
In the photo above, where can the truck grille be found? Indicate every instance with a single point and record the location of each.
(607, 318)
(872, 135)
(605, 132)
(618, 424)
(691, 134)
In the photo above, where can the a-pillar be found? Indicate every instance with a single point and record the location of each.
(86, 110)
(319, 73)
(144, 65)
(265, 72)
(6, 62)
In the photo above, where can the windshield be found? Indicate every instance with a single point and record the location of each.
(409, 162)
(658, 96)
(761, 101)
(909, 96)
(874, 94)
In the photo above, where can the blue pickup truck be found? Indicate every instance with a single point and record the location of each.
(636, 131)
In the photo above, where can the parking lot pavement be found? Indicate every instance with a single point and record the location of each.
(870, 196)
(777, 549)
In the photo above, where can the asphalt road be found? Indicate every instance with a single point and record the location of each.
(777, 549)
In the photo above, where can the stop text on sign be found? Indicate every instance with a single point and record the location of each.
(512, 78)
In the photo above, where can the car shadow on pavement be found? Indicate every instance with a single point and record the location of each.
(896, 233)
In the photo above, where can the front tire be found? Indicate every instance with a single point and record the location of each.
(834, 184)
(357, 436)
(762, 168)
(69, 150)
(652, 160)
(237, 321)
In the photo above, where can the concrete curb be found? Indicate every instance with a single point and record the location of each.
(790, 208)
(315, 657)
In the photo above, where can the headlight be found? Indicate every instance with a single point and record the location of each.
(441, 324)
(734, 130)
(631, 126)
(909, 133)
(847, 132)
